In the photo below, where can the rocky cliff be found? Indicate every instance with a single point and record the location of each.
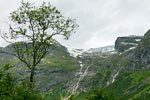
(124, 43)
(141, 55)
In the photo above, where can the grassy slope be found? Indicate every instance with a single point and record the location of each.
(129, 85)
(132, 84)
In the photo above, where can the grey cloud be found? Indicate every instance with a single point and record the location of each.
(101, 21)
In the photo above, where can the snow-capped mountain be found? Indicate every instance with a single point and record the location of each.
(95, 51)
(101, 49)
(75, 52)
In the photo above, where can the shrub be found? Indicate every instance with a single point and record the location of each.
(10, 90)
(99, 94)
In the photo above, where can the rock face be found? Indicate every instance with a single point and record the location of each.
(124, 43)
(141, 55)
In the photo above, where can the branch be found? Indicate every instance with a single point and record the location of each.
(16, 57)
(20, 56)
(9, 53)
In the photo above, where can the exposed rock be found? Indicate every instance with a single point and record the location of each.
(124, 43)
(141, 55)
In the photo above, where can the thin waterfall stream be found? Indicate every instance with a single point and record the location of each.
(80, 76)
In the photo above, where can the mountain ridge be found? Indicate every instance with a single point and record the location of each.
(104, 67)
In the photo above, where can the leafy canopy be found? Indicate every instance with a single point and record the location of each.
(36, 27)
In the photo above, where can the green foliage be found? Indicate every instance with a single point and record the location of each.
(95, 80)
(99, 94)
(56, 94)
(73, 97)
(107, 76)
(10, 90)
(95, 94)
(36, 27)
(132, 85)
(64, 64)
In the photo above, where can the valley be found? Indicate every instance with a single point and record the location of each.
(122, 69)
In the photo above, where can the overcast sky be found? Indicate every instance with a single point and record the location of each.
(100, 21)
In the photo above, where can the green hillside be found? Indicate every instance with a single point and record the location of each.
(111, 75)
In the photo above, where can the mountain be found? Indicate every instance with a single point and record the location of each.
(132, 81)
(128, 42)
(54, 70)
(76, 52)
(122, 68)
(101, 49)
(125, 72)
(141, 55)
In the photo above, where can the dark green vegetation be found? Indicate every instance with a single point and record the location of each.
(132, 85)
(53, 71)
(129, 85)
(11, 90)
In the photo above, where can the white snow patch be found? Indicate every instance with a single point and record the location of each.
(125, 43)
(75, 52)
(101, 49)
(130, 49)
(137, 40)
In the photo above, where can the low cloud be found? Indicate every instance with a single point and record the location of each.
(100, 21)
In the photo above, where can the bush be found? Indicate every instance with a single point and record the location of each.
(99, 94)
(10, 90)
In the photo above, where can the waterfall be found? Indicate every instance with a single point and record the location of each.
(80, 76)
(82, 73)
(114, 77)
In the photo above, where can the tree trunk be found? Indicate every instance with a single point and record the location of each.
(32, 78)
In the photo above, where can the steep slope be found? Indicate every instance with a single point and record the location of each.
(141, 55)
(124, 43)
(133, 82)
(122, 69)
(131, 85)
(98, 74)
(125, 73)
(54, 70)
